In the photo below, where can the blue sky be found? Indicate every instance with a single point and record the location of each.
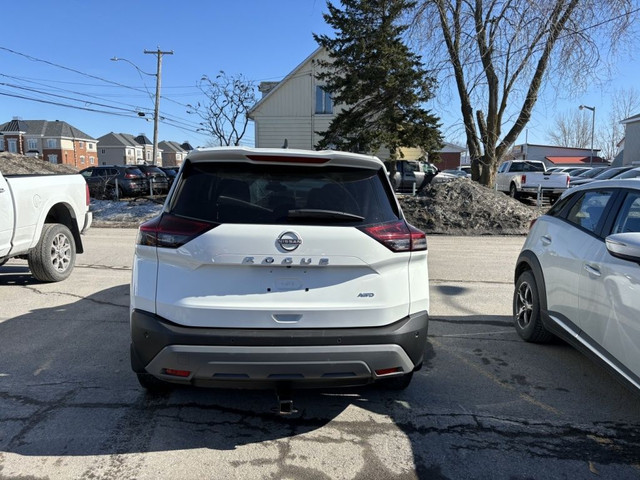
(262, 40)
(65, 48)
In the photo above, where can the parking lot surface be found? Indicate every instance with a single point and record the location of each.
(485, 405)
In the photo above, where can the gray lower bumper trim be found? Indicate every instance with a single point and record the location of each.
(263, 364)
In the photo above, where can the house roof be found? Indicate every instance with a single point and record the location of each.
(113, 139)
(632, 119)
(574, 160)
(282, 82)
(169, 146)
(45, 128)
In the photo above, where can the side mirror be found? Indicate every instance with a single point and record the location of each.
(624, 245)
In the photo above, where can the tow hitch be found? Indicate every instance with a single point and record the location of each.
(285, 401)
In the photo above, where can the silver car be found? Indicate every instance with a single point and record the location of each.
(578, 276)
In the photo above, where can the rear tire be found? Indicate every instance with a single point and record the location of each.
(526, 310)
(54, 256)
(152, 384)
(513, 191)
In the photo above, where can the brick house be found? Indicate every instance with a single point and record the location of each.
(53, 141)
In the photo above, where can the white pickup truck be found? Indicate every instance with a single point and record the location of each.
(527, 178)
(41, 219)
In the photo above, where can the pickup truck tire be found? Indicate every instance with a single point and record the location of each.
(513, 191)
(54, 256)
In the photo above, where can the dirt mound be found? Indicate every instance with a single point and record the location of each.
(14, 164)
(463, 207)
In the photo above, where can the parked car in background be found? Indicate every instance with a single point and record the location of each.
(411, 175)
(606, 174)
(590, 173)
(171, 173)
(157, 181)
(457, 173)
(633, 173)
(115, 181)
(465, 168)
(578, 276)
(279, 268)
(572, 171)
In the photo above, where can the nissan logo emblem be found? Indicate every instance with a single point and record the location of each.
(289, 241)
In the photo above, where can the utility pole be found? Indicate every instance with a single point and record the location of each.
(159, 53)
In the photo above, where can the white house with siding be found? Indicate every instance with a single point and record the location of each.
(631, 146)
(293, 109)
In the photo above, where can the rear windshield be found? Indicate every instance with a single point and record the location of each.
(274, 194)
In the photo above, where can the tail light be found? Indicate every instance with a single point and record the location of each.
(170, 231)
(398, 236)
(523, 179)
(130, 175)
(87, 194)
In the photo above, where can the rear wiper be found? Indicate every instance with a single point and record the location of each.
(314, 214)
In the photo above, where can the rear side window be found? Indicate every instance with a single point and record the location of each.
(274, 194)
(629, 217)
(588, 211)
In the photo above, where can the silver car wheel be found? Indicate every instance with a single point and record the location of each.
(524, 305)
(60, 252)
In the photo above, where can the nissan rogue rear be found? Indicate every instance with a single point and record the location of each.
(272, 267)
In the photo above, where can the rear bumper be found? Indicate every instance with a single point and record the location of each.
(88, 220)
(545, 191)
(263, 358)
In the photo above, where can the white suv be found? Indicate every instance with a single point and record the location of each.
(273, 267)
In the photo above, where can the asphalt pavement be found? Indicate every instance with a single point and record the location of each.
(485, 405)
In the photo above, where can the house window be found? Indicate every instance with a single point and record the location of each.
(82, 159)
(1, 144)
(53, 158)
(148, 155)
(91, 147)
(324, 104)
(32, 144)
(12, 145)
(91, 160)
(51, 143)
(80, 144)
(103, 151)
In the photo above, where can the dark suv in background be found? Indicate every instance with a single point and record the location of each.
(115, 181)
(156, 177)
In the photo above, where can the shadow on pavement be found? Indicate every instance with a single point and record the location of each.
(66, 389)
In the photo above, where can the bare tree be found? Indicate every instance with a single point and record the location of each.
(624, 104)
(500, 54)
(224, 114)
(571, 129)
